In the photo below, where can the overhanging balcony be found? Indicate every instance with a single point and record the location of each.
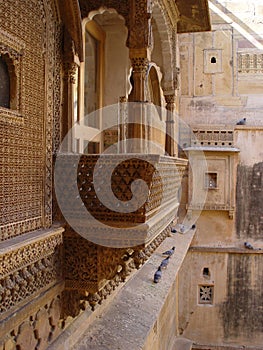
(101, 199)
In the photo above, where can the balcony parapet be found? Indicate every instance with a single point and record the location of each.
(133, 214)
(212, 136)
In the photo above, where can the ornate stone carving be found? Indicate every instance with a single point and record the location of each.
(38, 329)
(219, 136)
(140, 31)
(28, 269)
(26, 208)
(250, 63)
(70, 69)
(122, 7)
(140, 64)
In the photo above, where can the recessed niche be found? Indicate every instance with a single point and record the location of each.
(212, 61)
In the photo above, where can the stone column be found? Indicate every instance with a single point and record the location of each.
(137, 129)
(171, 138)
(70, 69)
(140, 45)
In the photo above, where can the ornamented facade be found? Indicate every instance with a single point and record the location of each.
(91, 85)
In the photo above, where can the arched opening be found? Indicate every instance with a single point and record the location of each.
(154, 93)
(213, 59)
(206, 272)
(106, 71)
(4, 84)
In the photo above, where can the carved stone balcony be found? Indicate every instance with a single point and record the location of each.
(101, 198)
(114, 220)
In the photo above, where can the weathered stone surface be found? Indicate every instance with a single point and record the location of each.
(249, 223)
(242, 313)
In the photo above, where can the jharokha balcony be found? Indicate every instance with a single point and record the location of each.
(118, 209)
(118, 200)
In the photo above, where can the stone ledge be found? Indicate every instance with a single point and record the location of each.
(235, 250)
(136, 315)
(29, 238)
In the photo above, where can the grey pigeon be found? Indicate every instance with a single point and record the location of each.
(242, 122)
(164, 263)
(182, 228)
(169, 252)
(248, 245)
(157, 275)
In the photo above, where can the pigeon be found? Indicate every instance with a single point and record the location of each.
(182, 228)
(241, 122)
(169, 252)
(193, 226)
(173, 230)
(157, 275)
(248, 245)
(164, 263)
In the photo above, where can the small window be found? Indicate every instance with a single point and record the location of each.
(213, 59)
(4, 84)
(211, 180)
(205, 294)
(206, 272)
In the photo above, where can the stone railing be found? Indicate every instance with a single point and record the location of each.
(133, 214)
(250, 63)
(214, 135)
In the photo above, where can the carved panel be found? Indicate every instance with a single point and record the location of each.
(122, 7)
(29, 268)
(27, 142)
(212, 136)
(250, 63)
(37, 329)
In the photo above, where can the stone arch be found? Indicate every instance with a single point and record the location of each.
(153, 87)
(163, 42)
(116, 51)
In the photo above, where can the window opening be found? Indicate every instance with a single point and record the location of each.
(4, 84)
(213, 59)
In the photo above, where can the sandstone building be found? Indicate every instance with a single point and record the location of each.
(94, 96)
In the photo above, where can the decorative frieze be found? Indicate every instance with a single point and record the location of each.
(218, 136)
(28, 267)
(250, 63)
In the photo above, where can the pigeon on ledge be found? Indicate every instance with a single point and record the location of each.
(164, 263)
(157, 275)
(248, 245)
(242, 122)
(169, 252)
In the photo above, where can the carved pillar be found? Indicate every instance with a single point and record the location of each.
(70, 69)
(140, 42)
(171, 137)
(137, 129)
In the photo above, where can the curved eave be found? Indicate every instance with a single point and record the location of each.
(194, 16)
